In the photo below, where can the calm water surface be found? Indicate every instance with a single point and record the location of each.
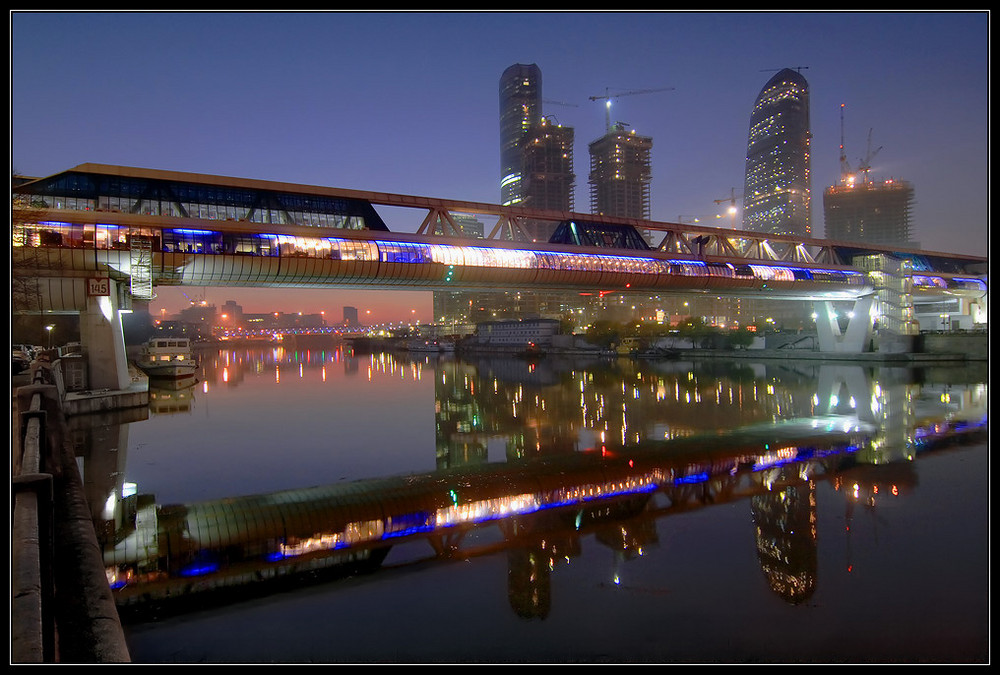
(554, 511)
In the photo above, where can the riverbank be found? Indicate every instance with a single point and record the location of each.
(924, 348)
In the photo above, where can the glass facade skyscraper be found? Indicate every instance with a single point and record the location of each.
(776, 195)
(520, 111)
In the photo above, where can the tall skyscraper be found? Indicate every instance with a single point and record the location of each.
(776, 195)
(520, 111)
(620, 174)
(536, 171)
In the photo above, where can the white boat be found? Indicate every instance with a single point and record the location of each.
(431, 345)
(167, 357)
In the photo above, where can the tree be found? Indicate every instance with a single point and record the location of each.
(740, 339)
(605, 333)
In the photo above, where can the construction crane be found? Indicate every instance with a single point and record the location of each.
(866, 164)
(845, 168)
(797, 69)
(731, 200)
(608, 96)
(865, 167)
(570, 105)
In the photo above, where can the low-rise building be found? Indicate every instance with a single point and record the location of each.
(523, 334)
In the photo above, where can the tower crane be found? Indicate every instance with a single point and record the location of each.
(731, 200)
(866, 164)
(845, 168)
(571, 105)
(865, 167)
(608, 96)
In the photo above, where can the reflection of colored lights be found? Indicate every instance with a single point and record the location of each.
(199, 568)
(118, 578)
(693, 478)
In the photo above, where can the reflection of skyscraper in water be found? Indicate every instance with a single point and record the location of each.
(785, 524)
(544, 543)
(776, 195)
(461, 430)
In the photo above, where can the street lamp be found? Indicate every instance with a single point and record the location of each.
(48, 329)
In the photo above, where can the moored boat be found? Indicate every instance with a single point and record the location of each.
(167, 357)
(430, 345)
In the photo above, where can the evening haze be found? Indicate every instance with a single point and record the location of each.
(408, 103)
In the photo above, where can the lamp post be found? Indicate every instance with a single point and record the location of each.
(48, 329)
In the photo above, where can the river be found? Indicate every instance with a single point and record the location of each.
(437, 509)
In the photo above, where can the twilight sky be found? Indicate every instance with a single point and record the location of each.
(408, 103)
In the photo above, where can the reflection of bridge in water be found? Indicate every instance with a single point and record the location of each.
(536, 510)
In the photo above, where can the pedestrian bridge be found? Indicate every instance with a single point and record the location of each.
(94, 237)
(152, 228)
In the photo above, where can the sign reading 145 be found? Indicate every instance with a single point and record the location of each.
(99, 286)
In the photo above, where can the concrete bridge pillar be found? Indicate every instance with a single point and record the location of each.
(856, 338)
(104, 340)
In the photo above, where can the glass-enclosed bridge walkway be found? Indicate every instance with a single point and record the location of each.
(98, 231)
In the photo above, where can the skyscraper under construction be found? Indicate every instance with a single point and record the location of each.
(547, 173)
(620, 174)
(860, 210)
(776, 195)
(870, 212)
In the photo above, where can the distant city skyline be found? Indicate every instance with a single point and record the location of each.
(372, 306)
(383, 108)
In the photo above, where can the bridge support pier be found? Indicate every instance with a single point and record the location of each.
(102, 336)
(857, 338)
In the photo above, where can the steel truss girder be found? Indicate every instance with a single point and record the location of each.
(748, 247)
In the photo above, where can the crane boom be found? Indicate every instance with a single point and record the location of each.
(731, 199)
(845, 168)
(866, 163)
(608, 96)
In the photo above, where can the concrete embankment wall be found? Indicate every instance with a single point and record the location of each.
(62, 609)
(974, 346)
